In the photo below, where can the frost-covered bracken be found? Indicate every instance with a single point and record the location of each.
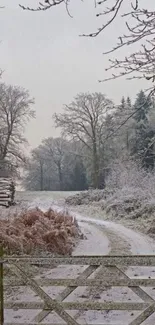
(35, 231)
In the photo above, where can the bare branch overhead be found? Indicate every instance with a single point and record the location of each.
(139, 23)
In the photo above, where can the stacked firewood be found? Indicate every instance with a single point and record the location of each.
(7, 191)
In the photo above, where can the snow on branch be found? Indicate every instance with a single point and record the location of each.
(46, 4)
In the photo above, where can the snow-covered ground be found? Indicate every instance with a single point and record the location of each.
(102, 238)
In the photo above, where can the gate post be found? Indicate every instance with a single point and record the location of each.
(1, 288)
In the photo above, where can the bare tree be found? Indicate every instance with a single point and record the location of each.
(38, 156)
(83, 120)
(140, 28)
(54, 166)
(55, 150)
(15, 112)
(35, 170)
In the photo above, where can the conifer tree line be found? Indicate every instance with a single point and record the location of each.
(95, 132)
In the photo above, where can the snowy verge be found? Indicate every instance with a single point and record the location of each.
(127, 205)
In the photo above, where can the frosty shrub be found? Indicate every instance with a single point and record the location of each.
(131, 179)
(129, 192)
(85, 197)
(134, 190)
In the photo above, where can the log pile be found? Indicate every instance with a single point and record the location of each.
(7, 192)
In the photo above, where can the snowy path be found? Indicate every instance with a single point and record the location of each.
(95, 244)
(138, 243)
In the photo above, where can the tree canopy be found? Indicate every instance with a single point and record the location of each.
(15, 112)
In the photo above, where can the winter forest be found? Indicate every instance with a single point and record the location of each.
(100, 140)
(96, 135)
(93, 139)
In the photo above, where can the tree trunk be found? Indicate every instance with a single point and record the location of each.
(60, 177)
(95, 167)
(127, 140)
(41, 177)
(5, 149)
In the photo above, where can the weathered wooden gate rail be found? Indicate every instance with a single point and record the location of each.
(19, 267)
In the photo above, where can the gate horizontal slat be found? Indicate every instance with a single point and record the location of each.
(132, 260)
(106, 282)
(79, 305)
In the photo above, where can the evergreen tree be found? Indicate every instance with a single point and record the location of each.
(128, 131)
(142, 106)
(143, 132)
(123, 111)
(123, 104)
(79, 179)
(128, 102)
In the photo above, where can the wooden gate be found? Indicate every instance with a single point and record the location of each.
(19, 272)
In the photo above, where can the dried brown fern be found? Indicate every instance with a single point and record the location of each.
(34, 230)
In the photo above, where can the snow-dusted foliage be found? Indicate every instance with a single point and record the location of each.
(85, 197)
(129, 178)
(129, 193)
(125, 180)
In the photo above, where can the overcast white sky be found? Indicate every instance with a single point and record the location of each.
(43, 53)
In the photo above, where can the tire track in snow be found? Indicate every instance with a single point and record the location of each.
(139, 243)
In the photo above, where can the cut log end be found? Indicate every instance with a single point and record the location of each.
(7, 192)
